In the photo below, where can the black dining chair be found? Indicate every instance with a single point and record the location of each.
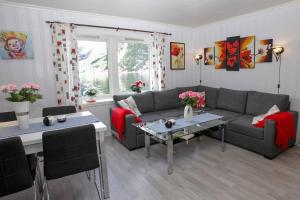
(15, 174)
(7, 116)
(60, 110)
(68, 152)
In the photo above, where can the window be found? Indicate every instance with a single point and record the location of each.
(112, 65)
(133, 64)
(93, 66)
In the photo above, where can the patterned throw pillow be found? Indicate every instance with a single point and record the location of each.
(130, 104)
(201, 100)
(271, 111)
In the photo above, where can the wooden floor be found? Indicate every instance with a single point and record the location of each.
(201, 172)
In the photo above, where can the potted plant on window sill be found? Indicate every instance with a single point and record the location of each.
(29, 93)
(91, 93)
(137, 86)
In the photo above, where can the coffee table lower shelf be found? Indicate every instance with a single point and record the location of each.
(169, 141)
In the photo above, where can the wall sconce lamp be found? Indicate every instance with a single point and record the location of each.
(277, 51)
(198, 58)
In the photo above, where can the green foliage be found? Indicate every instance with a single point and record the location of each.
(135, 57)
(25, 94)
(190, 101)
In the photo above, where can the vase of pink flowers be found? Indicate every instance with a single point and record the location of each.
(137, 86)
(189, 99)
(28, 93)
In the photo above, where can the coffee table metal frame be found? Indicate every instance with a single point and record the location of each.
(168, 137)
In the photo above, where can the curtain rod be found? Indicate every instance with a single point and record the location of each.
(110, 27)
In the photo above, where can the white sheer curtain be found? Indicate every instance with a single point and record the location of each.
(64, 44)
(158, 61)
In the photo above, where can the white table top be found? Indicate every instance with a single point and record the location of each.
(31, 140)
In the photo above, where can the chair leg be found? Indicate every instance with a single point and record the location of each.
(88, 175)
(95, 182)
(45, 191)
(34, 190)
(39, 177)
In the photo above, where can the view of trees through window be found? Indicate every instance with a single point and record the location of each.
(93, 66)
(133, 64)
(131, 58)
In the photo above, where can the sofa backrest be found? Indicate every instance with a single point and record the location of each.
(166, 99)
(259, 103)
(184, 89)
(232, 100)
(144, 101)
(211, 95)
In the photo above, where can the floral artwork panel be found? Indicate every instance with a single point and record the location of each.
(177, 51)
(15, 45)
(264, 51)
(233, 53)
(247, 52)
(220, 54)
(209, 56)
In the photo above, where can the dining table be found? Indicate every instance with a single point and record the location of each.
(32, 139)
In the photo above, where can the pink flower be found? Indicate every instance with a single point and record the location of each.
(2, 88)
(33, 86)
(11, 88)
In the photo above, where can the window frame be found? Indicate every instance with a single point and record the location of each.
(112, 45)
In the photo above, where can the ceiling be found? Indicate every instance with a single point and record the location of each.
(190, 13)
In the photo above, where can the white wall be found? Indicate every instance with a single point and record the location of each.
(22, 18)
(280, 23)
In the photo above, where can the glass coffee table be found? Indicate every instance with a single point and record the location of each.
(157, 131)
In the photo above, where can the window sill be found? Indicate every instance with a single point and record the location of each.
(98, 102)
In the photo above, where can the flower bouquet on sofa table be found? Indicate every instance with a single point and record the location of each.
(191, 99)
(20, 98)
(137, 86)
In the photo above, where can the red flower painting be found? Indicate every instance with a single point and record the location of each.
(233, 54)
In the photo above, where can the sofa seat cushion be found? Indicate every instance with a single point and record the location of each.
(243, 125)
(151, 116)
(211, 95)
(232, 100)
(144, 101)
(227, 115)
(167, 99)
(259, 103)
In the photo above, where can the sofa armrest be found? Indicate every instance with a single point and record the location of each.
(271, 150)
(296, 115)
(130, 134)
(269, 137)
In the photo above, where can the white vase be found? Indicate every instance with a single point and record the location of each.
(22, 114)
(188, 113)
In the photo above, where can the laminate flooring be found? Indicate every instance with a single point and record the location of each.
(201, 172)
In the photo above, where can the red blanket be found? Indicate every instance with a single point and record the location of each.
(118, 120)
(285, 127)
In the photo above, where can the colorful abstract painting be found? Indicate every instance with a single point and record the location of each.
(247, 52)
(220, 54)
(177, 51)
(209, 56)
(264, 51)
(233, 53)
(15, 45)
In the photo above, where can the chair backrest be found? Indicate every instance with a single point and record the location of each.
(15, 175)
(69, 151)
(7, 116)
(60, 110)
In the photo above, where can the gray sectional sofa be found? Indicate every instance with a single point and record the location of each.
(236, 107)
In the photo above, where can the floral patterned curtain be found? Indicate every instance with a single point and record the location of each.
(158, 62)
(65, 64)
